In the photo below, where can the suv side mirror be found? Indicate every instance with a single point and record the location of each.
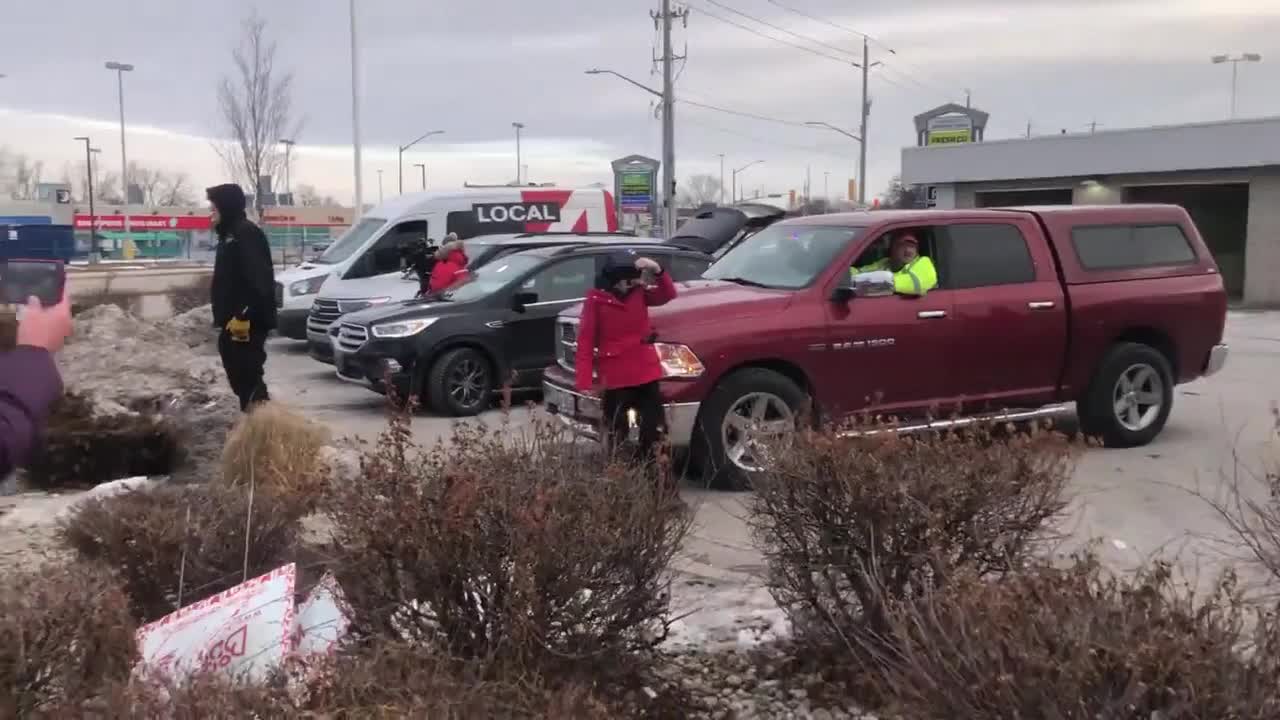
(521, 299)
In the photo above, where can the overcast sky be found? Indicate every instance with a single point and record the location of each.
(472, 68)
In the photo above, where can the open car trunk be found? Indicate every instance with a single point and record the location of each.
(716, 230)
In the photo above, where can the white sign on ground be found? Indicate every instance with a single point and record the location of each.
(245, 632)
(320, 620)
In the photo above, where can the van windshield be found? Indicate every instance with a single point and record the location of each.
(492, 277)
(351, 241)
(783, 256)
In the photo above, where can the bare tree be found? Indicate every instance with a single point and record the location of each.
(175, 191)
(26, 175)
(902, 197)
(700, 190)
(308, 196)
(256, 104)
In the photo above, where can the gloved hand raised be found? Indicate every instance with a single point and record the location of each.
(238, 327)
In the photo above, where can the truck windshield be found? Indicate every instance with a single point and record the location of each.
(352, 240)
(492, 277)
(783, 256)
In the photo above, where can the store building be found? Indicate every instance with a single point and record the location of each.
(1226, 174)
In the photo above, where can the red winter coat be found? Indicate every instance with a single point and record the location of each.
(619, 330)
(448, 270)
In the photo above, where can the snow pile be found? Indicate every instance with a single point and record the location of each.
(115, 357)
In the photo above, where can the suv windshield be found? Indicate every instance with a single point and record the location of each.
(351, 240)
(783, 256)
(492, 277)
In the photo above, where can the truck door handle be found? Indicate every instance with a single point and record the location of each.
(931, 314)
(1041, 305)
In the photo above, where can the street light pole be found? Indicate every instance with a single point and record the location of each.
(735, 178)
(518, 127)
(423, 168)
(862, 168)
(121, 69)
(288, 151)
(722, 178)
(355, 111)
(400, 161)
(94, 250)
(1235, 66)
(379, 186)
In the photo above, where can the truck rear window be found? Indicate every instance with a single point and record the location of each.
(1121, 247)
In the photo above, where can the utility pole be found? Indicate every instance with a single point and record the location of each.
(379, 187)
(288, 152)
(968, 98)
(355, 111)
(666, 17)
(722, 178)
(120, 69)
(1028, 129)
(826, 193)
(866, 110)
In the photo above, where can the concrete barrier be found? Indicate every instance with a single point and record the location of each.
(145, 290)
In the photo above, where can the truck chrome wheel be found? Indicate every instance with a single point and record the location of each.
(1138, 397)
(753, 422)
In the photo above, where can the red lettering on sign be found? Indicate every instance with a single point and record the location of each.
(222, 652)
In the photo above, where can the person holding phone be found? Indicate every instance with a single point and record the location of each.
(615, 342)
(244, 307)
(29, 379)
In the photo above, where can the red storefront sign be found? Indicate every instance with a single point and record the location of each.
(148, 223)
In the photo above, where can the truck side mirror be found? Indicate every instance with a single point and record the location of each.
(844, 290)
(877, 283)
(521, 299)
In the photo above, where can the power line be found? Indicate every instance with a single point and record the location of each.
(754, 31)
(817, 149)
(814, 40)
(741, 113)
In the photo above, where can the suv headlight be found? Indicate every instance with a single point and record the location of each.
(678, 361)
(350, 306)
(403, 328)
(310, 286)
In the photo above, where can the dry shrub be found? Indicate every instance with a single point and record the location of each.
(64, 631)
(848, 528)
(516, 551)
(279, 450)
(189, 298)
(82, 449)
(1077, 642)
(145, 535)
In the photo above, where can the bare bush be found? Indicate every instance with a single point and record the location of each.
(1076, 642)
(278, 451)
(849, 528)
(82, 449)
(182, 543)
(64, 631)
(519, 552)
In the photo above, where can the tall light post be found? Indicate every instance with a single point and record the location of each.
(862, 168)
(735, 177)
(423, 168)
(668, 146)
(288, 152)
(722, 178)
(518, 126)
(379, 186)
(400, 162)
(826, 192)
(1235, 61)
(355, 111)
(120, 69)
(94, 250)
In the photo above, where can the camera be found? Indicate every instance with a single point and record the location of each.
(418, 257)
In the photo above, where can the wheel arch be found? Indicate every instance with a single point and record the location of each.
(785, 368)
(429, 359)
(1152, 337)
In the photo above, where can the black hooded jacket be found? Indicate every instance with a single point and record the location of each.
(243, 272)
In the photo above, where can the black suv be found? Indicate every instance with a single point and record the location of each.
(455, 350)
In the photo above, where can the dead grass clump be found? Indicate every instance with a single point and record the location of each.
(280, 451)
(64, 631)
(1076, 642)
(521, 553)
(851, 528)
(81, 449)
(162, 554)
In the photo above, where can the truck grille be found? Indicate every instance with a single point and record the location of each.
(566, 342)
(352, 337)
(279, 295)
(323, 314)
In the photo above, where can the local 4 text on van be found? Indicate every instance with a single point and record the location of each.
(518, 212)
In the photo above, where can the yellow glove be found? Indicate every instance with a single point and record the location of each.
(239, 329)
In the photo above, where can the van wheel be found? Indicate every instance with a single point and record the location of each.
(1129, 399)
(744, 414)
(460, 383)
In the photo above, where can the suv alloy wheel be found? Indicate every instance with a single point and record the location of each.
(460, 382)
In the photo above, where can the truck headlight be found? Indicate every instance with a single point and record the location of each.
(678, 361)
(403, 328)
(350, 306)
(310, 286)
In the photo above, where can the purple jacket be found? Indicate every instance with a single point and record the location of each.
(29, 384)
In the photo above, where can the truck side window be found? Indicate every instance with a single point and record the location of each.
(879, 249)
(984, 255)
(1122, 247)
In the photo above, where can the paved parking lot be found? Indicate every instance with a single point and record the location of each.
(1138, 502)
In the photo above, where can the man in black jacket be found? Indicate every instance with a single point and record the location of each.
(244, 306)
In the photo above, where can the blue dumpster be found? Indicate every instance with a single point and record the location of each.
(45, 242)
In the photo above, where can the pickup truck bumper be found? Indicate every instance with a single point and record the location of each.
(582, 413)
(1217, 359)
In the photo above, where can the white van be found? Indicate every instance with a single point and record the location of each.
(371, 247)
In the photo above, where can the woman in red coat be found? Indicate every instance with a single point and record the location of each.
(450, 267)
(615, 342)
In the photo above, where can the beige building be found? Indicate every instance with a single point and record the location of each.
(1226, 174)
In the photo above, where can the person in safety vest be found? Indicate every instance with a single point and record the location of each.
(913, 273)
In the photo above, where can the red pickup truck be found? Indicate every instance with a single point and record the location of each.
(1105, 306)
